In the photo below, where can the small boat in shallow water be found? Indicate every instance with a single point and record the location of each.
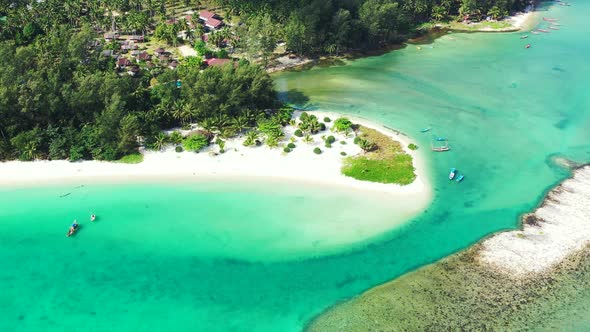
(423, 130)
(453, 173)
(73, 229)
(440, 139)
(528, 46)
(460, 178)
(524, 37)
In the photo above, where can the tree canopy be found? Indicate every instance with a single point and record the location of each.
(329, 26)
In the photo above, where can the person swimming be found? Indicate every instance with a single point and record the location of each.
(92, 217)
(73, 228)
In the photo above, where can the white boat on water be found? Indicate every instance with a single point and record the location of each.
(453, 173)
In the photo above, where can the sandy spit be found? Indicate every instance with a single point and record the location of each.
(301, 165)
(555, 230)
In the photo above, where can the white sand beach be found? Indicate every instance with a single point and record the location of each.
(557, 229)
(300, 165)
(523, 20)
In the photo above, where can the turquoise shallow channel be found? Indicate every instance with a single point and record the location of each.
(198, 256)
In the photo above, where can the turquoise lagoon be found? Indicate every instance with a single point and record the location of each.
(216, 256)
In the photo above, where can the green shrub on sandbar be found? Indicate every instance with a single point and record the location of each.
(327, 119)
(330, 139)
(413, 146)
(298, 133)
(398, 169)
(178, 149)
(134, 158)
(291, 145)
(287, 149)
(317, 151)
(343, 153)
(328, 145)
(385, 162)
(195, 143)
(342, 124)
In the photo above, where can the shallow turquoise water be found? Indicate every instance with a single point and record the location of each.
(168, 264)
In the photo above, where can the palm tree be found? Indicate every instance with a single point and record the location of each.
(251, 138)
(30, 151)
(175, 137)
(189, 34)
(207, 125)
(160, 141)
(221, 121)
(188, 112)
(272, 141)
(366, 145)
(308, 139)
(216, 38)
(304, 126)
(240, 123)
(164, 111)
(250, 116)
(183, 24)
(314, 127)
(177, 111)
(252, 135)
(331, 48)
(221, 144)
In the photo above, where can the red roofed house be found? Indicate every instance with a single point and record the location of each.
(111, 36)
(217, 62)
(205, 15)
(123, 62)
(213, 23)
(144, 56)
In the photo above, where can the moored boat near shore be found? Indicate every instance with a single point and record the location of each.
(453, 173)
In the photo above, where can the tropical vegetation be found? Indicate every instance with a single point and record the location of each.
(60, 99)
(383, 160)
(320, 26)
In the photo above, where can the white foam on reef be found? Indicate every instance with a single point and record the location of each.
(560, 227)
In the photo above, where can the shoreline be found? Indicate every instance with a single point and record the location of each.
(504, 282)
(520, 21)
(554, 231)
(237, 162)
